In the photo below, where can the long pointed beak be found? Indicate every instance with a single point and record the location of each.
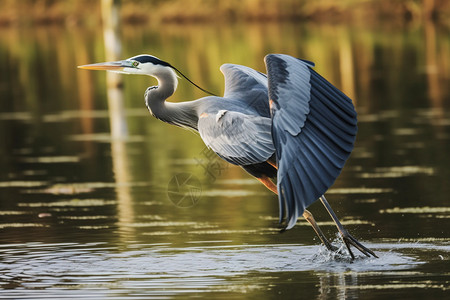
(111, 65)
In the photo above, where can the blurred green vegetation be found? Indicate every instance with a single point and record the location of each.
(156, 11)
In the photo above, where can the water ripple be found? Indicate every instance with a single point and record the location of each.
(159, 270)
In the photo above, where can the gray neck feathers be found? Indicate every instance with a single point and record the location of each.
(181, 114)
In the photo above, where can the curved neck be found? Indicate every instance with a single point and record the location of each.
(181, 114)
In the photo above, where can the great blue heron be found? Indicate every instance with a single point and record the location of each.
(291, 124)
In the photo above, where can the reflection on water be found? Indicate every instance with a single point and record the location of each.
(84, 207)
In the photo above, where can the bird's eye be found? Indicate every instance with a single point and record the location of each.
(135, 64)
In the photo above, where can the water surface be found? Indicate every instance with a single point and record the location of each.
(85, 212)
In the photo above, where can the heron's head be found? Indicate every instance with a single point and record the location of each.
(143, 64)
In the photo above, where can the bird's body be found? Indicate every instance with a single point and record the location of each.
(290, 125)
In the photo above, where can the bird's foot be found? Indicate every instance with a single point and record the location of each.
(350, 240)
(330, 246)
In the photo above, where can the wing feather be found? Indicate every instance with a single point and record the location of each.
(247, 85)
(238, 138)
(241, 134)
(313, 128)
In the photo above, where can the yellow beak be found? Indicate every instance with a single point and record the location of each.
(112, 66)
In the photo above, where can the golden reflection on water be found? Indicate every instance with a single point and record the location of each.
(117, 118)
(416, 210)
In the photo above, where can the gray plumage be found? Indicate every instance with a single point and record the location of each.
(291, 124)
(314, 128)
(310, 126)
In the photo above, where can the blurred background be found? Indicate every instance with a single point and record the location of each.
(85, 169)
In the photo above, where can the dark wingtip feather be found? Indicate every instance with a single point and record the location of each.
(316, 147)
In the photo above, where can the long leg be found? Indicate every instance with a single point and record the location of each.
(307, 215)
(346, 237)
(268, 183)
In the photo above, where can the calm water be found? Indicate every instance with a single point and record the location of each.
(85, 212)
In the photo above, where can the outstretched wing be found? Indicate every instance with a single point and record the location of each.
(238, 138)
(241, 135)
(247, 85)
(313, 129)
